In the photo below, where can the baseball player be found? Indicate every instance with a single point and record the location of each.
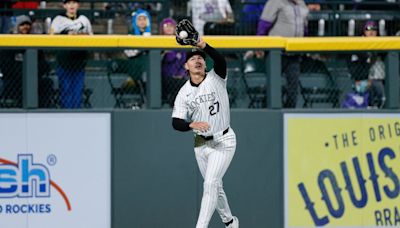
(202, 105)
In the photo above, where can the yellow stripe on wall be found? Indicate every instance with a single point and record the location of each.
(56, 41)
(342, 43)
(128, 41)
(234, 42)
(246, 42)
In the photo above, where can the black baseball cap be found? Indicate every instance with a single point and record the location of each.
(195, 51)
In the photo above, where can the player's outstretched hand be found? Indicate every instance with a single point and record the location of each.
(200, 126)
(201, 44)
(186, 34)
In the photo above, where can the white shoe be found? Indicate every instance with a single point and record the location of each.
(235, 223)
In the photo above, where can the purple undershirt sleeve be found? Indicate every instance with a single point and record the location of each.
(263, 27)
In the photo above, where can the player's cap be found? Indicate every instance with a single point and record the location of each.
(370, 26)
(23, 19)
(195, 51)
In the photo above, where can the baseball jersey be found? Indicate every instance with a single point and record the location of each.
(207, 102)
(62, 24)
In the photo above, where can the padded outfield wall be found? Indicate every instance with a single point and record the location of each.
(117, 169)
(156, 182)
(296, 169)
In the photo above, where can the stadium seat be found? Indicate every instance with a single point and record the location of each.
(128, 95)
(317, 84)
(255, 85)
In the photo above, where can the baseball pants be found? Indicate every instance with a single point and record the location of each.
(213, 159)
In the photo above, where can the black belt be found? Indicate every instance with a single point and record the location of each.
(211, 137)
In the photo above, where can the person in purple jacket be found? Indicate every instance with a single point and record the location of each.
(172, 66)
(287, 18)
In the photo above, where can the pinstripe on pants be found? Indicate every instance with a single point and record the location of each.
(213, 160)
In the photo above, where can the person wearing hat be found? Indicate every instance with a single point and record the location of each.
(370, 29)
(172, 65)
(376, 74)
(23, 24)
(141, 22)
(141, 26)
(202, 105)
(71, 64)
(11, 62)
(368, 72)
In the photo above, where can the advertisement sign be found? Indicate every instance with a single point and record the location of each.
(342, 170)
(55, 170)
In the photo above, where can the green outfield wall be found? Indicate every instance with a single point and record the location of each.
(290, 167)
(156, 183)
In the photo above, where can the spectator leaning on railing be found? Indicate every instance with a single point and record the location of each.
(368, 72)
(71, 64)
(376, 73)
(287, 18)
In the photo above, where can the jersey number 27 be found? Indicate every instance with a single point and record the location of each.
(214, 108)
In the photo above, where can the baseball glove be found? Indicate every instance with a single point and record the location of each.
(192, 37)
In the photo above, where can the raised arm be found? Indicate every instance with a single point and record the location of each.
(219, 60)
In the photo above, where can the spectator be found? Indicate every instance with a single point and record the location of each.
(359, 97)
(71, 64)
(141, 23)
(5, 16)
(210, 11)
(173, 72)
(141, 26)
(37, 24)
(287, 18)
(370, 67)
(11, 62)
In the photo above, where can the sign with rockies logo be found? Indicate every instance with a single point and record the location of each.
(55, 170)
(342, 170)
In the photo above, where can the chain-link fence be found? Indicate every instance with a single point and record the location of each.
(110, 79)
(310, 80)
(77, 79)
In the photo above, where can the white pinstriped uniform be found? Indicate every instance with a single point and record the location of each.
(209, 102)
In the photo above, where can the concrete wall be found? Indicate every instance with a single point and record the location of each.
(156, 182)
